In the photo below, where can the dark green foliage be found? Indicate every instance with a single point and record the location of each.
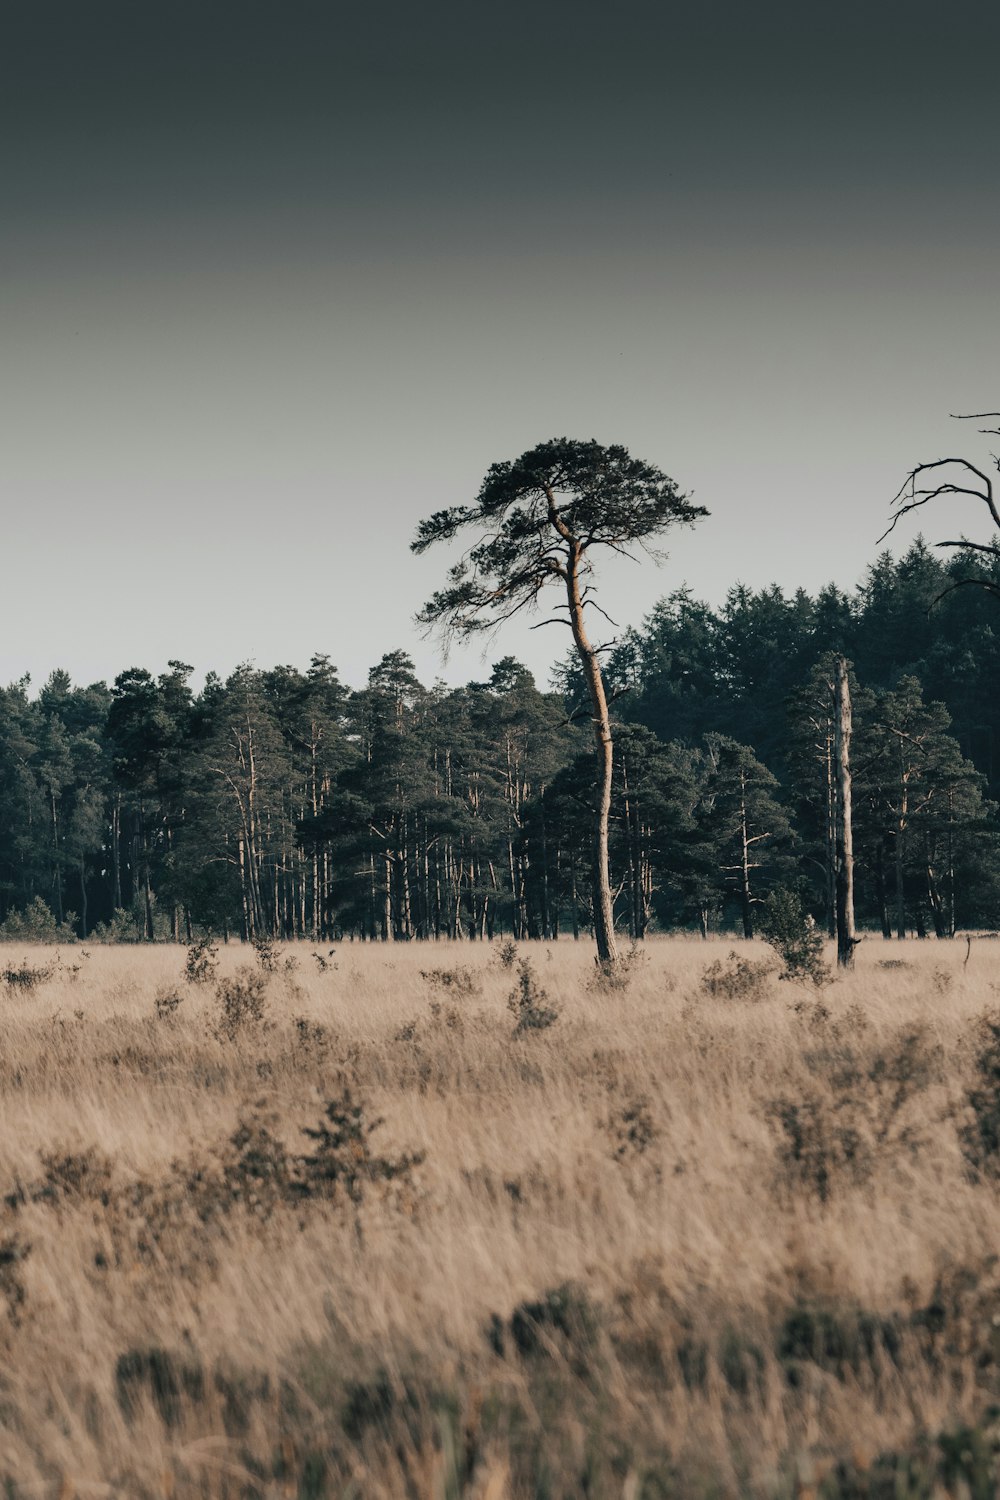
(794, 936)
(277, 804)
(35, 924)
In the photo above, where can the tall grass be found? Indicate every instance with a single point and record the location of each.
(352, 1229)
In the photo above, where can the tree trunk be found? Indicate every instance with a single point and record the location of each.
(746, 898)
(846, 939)
(604, 917)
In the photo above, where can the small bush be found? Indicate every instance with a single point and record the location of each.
(794, 936)
(122, 927)
(857, 1114)
(242, 1003)
(268, 954)
(202, 962)
(36, 924)
(13, 1253)
(737, 978)
(461, 982)
(560, 1317)
(324, 961)
(256, 1168)
(159, 1377)
(981, 1137)
(614, 976)
(633, 1129)
(343, 1160)
(529, 1002)
(168, 1002)
(22, 978)
(507, 953)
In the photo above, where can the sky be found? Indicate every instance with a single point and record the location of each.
(278, 280)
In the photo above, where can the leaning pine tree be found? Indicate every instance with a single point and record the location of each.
(538, 521)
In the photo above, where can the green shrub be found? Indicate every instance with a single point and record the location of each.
(529, 1002)
(202, 962)
(36, 924)
(794, 936)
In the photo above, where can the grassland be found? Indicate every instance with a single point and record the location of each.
(673, 1243)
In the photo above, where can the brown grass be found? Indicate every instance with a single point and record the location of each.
(672, 1244)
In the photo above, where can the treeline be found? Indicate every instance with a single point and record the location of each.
(281, 803)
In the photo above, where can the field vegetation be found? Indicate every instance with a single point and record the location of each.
(483, 1220)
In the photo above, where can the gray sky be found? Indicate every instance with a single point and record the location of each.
(278, 280)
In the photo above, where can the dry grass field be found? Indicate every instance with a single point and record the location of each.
(676, 1242)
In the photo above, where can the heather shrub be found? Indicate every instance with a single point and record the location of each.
(460, 982)
(856, 1113)
(267, 953)
(507, 953)
(980, 1137)
(737, 978)
(614, 977)
(242, 1003)
(202, 962)
(22, 978)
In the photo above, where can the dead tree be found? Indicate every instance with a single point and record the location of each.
(844, 857)
(942, 477)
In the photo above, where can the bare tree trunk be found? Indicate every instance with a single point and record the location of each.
(604, 917)
(746, 899)
(846, 939)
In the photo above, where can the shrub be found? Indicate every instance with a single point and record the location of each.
(268, 954)
(159, 1377)
(36, 924)
(256, 1168)
(23, 978)
(343, 1160)
(529, 1002)
(168, 1002)
(507, 953)
(842, 1128)
(242, 1003)
(736, 978)
(564, 1315)
(462, 982)
(122, 928)
(633, 1129)
(981, 1137)
(794, 936)
(613, 976)
(202, 962)
(13, 1253)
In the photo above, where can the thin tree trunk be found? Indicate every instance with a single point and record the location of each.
(604, 916)
(846, 939)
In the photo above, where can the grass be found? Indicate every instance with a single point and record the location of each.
(354, 1232)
